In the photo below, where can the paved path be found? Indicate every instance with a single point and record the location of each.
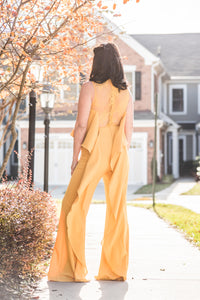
(173, 195)
(163, 264)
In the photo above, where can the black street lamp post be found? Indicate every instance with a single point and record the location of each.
(47, 103)
(31, 136)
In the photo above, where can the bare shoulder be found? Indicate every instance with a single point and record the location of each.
(87, 85)
(87, 88)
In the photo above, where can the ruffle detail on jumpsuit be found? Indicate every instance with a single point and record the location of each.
(79, 207)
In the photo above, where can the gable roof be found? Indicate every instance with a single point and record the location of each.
(179, 53)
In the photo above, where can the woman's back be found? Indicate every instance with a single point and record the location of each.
(109, 103)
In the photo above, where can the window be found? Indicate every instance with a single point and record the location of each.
(23, 108)
(137, 85)
(129, 78)
(178, 99)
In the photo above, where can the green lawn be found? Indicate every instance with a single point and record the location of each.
(147, 189)
(184, 219)
(194, 191)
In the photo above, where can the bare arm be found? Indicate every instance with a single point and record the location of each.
(129, 121)
(84, 105)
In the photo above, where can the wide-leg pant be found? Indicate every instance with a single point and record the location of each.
(68, 259)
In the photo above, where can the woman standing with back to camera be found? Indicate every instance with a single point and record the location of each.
(102, 133)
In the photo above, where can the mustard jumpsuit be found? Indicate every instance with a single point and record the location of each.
(103, 155)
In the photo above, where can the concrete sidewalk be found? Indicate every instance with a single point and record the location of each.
(163, 265)
(172, 195)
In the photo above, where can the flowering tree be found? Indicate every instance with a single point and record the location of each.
(50, 34)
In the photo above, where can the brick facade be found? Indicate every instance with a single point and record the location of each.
(133, 58)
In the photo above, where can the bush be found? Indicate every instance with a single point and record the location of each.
(167, 178)
(197, 168)
(27, 225)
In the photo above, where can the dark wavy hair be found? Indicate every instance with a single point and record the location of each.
(107, 65)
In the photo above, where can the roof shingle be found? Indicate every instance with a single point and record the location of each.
(180, 53)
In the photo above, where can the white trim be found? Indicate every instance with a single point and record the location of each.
(185, 78)
(152, 88)
(53, 124)
(147, 123)
(183, 137)
(168, 120)
(131, 69)
(198, 99)
(198, 145)
(19, 149)
(165, 98)
(165, 152)
(178, 86)
(158, 152)
(175, 162)
(149, 57)
(194, 145)
(144, 137)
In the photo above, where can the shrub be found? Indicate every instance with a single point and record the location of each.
(167, 178)
(197, 166)
(27, 225)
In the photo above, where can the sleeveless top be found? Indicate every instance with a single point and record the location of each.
(108, 108)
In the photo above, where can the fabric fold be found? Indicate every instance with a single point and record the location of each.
(91, 132)
(118, 142)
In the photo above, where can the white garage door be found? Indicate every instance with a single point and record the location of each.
(60, 157)
(138, 159)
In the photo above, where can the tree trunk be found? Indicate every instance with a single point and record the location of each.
(14, 118)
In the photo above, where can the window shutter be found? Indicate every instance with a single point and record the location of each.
(137, 85)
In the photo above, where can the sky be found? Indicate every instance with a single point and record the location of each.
(158, 16)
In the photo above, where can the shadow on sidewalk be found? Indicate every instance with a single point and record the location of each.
(98, 290)
(61, 290)
(113, 290)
